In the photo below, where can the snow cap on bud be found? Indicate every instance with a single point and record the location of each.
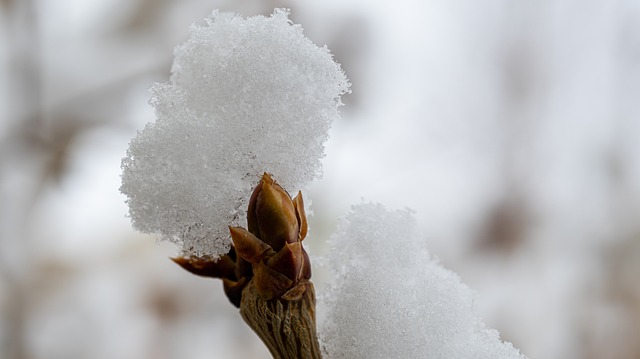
(245, 95)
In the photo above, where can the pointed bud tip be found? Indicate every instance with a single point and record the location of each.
(222, 267)
(298, 204)
(276, 216)
(247, 245)
(266, 178)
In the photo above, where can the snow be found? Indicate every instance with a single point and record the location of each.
(245, 96)
(387, 298)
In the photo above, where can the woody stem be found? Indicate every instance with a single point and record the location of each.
(287, 327)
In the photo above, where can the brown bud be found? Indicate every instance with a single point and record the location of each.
(273, 214)
(269, 253)
(267, 272)
(277, 225)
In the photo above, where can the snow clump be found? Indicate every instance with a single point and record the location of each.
(246, 96)
(388, 299)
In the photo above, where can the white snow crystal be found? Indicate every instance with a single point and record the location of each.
(389, 299)
(245, 96)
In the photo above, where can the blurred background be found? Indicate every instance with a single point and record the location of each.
(512, 129)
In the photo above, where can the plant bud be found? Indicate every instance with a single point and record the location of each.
(269, 253)
(277, 225)
(273, 214)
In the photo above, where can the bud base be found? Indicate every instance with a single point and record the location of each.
(287, 327)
